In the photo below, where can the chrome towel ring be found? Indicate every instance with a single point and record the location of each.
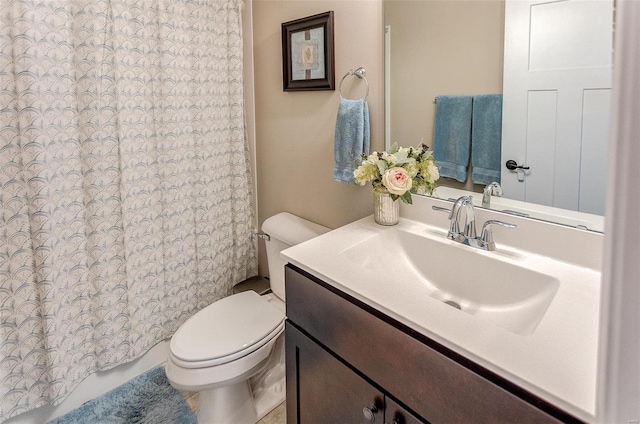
(360, 73)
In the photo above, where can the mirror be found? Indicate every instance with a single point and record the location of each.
(445, 47)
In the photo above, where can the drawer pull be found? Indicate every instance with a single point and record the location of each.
(370, 413)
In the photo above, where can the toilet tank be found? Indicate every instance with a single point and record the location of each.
(285, 230)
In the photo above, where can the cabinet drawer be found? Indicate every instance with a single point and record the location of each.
(433, 385)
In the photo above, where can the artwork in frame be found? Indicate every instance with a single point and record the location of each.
(308, 53)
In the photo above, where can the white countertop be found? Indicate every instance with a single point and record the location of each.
(557, 362)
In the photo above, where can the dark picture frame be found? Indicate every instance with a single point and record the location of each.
(308, 53)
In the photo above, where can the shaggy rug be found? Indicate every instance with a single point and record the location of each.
(147, 399)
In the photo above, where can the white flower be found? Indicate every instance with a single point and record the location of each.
(403, 151)
(391, 159)
(399, 172)
(433, 171)
(397, 181)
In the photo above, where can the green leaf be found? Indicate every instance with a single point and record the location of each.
(406, 197)
(401, 155)
(394, 197)
(382, 166)
(404, 161)
(394, 148)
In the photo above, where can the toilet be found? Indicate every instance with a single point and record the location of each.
(232, 351)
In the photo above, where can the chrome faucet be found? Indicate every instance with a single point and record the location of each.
(491, 189)
(463, 225)
(463, 219)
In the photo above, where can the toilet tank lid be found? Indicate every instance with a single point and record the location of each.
(292, 229)
(226, 327)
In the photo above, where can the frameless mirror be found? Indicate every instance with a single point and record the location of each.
(536, 53)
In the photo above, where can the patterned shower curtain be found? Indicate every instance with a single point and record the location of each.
(125, 194)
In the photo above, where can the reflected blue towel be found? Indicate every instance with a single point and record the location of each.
(486, 138)
(352, 137)
(452, 139)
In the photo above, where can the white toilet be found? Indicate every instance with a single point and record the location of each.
(232, 351)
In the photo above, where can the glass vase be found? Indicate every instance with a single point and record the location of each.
(385, 210)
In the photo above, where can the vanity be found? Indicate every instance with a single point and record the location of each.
(401, 325)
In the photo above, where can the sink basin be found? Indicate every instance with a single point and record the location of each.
(479, 283)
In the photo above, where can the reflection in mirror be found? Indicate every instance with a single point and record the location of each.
(508, 206)
(557, 84)
(444, 47)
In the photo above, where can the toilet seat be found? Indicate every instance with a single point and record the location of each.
(226, 330)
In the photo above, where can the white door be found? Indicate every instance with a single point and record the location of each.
(557, 81)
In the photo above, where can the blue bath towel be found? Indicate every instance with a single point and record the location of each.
(452, 139)
(352, 137)
(486, 138)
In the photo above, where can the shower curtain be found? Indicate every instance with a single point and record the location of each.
(125, 193)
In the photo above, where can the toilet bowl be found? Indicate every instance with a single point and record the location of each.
(232, 351)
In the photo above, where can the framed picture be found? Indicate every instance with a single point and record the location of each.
(307, 53)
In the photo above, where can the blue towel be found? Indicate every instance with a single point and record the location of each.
(352, 137)
(452, 139)
(486, 138)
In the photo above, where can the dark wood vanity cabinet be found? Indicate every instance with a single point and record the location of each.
(348, 363)
(326, 389)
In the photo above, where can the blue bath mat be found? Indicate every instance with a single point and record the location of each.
(147, 399)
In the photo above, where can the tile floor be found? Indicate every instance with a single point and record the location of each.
(277, 416)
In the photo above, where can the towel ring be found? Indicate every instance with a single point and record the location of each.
(360, 73)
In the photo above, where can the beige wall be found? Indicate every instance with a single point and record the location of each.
(441, 47)
(294, 130)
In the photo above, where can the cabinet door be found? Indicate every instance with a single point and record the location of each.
(321, 389)
(396, 414)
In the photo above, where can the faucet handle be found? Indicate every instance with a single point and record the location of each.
(454, 231)
(486, 237)
(440, 209)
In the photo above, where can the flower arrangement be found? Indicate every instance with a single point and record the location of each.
(401, 171)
